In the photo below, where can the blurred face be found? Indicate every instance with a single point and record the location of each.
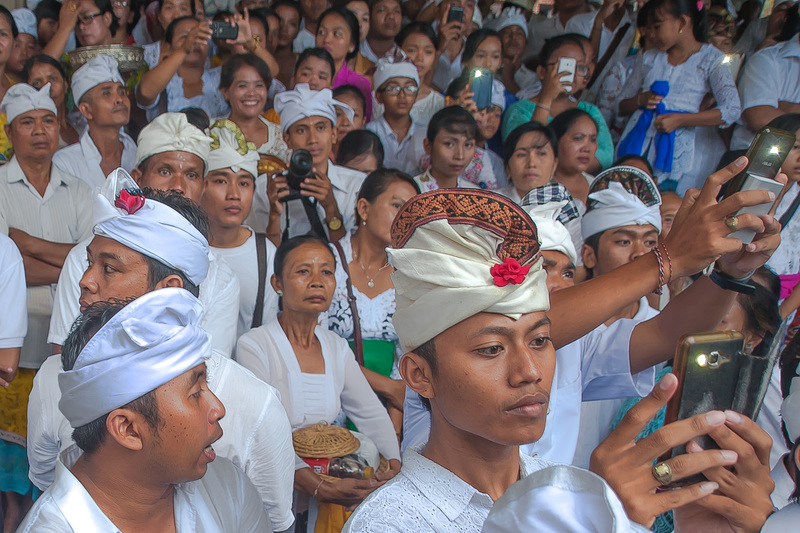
(577, 146)
(6, 41)
(366, 163)
(178, 171)
(636, 163)
(107, 104)
(380, 214)
(778, 17)
(722, 43)
(620, 246)
(421, 51)
(670, 203)
(397, 104)
(93, 27)
(122, 10)
(333, 34)
(343, 124)
(560, 270)
(792, 164)
(259, 31)
(315, 72)
(488, 121)
(488, 55)
(315, 134)
(307, 279)
(199, 51)
(173, 9)
(450, 153)
(493, 377)
(514, 41)
(114, 271)
(289, 25)
(227, 197)
(572, 51)
(25, 46)
(34, 135)
(312, 9)
(666, 29)
(41, 74)
(273, 30)
(736, 320)
(46, 28)
(533, 162)
(361, 11)
(247, 94)
(386, 19)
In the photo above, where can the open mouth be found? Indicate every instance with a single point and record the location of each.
(210, 453)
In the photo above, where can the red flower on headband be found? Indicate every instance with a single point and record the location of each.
(510, 271)
(129, 202)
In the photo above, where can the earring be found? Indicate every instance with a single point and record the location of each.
(548, 410)
(280, 293)
(680, 31)
(363, 222)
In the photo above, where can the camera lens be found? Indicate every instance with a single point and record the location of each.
(301, 163)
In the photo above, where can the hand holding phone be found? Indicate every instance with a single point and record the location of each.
(224, 30)
(481, 81)
(455, 14)
(566, 68)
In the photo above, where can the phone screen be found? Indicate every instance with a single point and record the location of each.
(481, 81)
(766, 155)
(455, 13)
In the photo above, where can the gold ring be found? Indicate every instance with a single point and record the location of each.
(73, 7)
(663, 473)
(732, 222)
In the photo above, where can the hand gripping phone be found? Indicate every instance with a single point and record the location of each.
(224, 30)
(455, 13)
(566, 67)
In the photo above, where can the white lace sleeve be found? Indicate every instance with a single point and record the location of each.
(725, 92)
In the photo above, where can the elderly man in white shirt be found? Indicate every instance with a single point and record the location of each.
(134, 388)
(257, 436)
(101, 96)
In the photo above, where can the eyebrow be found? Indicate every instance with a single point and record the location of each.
(199, 373)
(634, 234)
(500, 330)
(109, 255)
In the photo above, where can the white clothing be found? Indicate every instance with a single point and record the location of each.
(275, 145)
(540, 29)
(784, 520)
(346, 184)
(786, 259)
(426, 497)
(152, 54)
(769, 418)
(211, 100)
(784, 486)
(222, 501)
(83, 158)
(400, 154)
(427, 183)
(769, 76)
(447, 70)
(528, 82)
(14, 318)
(366, 51)
(219, 294)
(753, 35)
(266, 351)
(256, 433)
(491, 159)
(243, 260)
(305, 39)
(62, 215)
(608, 96)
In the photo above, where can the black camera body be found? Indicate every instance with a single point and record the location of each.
(301, 167)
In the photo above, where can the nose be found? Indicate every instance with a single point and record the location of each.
(524, 365)
(87, 282)
(234, 191)
(216, 411)
(639, 249)
(532, 160)
(459, 153)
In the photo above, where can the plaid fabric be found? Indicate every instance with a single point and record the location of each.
(553, 192)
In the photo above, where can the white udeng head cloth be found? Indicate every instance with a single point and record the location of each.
(616, 207)
(445, 245)
(149, 342)
(171, 132)
(152, 229)
(302, 102)
(99, 69)
(228, 151)
(510, 16)
(21, 98)
(25, 21)
(391, 67)
(553, 235)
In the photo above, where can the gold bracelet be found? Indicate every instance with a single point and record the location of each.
(321, 481)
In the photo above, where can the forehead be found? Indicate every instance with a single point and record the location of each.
(105, 86)
(490, 41)
(284, 11)
(229, 173)
(184, 381)
(385, 4)
(583, 124)
(246, 72)
(172, 159)
(314, 63)
(358, 6)
(556, 257)
(532, 139)
(334, 20)
(636, 230)
(42, 69)
(34, 113)
(569, 50)
(310, 122)
(350, 100)
(178, 3)
(308, 252)
(399, 81)
(104, 246)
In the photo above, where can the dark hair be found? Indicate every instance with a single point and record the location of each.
(789, 122)
(453, 119)
(7, 14)
(564, 121)
(105, 7)
(414, 28)
(90, 437)
(761, 315)
(260, 14)
(459, 83)
(172, 28)
(791, 26)
(373, 3)
(196, 117)
(288, 3)
(353, 91)
(427, 351)
(319, 53)
(554, 43)
(474, 41)
(290, 244)
(47, 60)
(237, 61)
(768, 279)
(351, 21)
(358, 143)
(47, 9)
(635, 157)
(510, 144)
(678, 8)
(377, 182)
(593, 242)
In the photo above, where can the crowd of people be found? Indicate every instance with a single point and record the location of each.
(467, 235)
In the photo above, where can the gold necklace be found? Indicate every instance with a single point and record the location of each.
(370, 280)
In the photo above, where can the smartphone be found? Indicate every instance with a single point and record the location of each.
(480, 85)
(455, 13)
(567, 66)
(224, 30)
(766, 155)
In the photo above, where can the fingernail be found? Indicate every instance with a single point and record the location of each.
(733, 417)
(741, 161)
(729, 455)
(715, 418)
(693, 447)
(708, 487)
(771, 195)
(666, 382)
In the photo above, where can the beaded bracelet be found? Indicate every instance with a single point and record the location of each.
(662, 277)
(669, 261)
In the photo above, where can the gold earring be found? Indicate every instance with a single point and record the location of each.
(680, 31)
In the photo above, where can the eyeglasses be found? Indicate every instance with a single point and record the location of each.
(88, 19)
(119, 3)
(394, 90)
(580, 70)
(632, 180)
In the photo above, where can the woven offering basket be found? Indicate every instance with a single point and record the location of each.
(324, 441)
(130, 58)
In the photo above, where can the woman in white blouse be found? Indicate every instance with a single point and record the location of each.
(314, 369)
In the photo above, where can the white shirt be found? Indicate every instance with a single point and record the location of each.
(256, 432)
(447, 70)
(540, 29)
(222, 501)
(14, 318)
(427, 183)
(786, 259)
(346, 184)
(400, 154)
(784, 486)
(367, 52)
(210, 100)
(426, 497)
(784, 520)
(219, 294)
(768, 76)
(243, 260)
(266, 351)
(305, 39)
(83, 159)
(62, 215)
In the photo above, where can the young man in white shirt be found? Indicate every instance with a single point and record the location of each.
(102, 98)
(311, 11)
(144, 427)
(385, 22)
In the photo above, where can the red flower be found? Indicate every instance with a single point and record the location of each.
(510, 271)
(128, 202)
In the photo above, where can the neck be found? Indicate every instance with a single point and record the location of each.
(339, 64)
(106, 139)
(311, 25)
(629, 311)
(37, 171)
(444, 182)
(400, 124)
(684, 48)
(324, 166)
(613, 20)
(368, 249)
(487, 466)
(299, 327)
(380, 45)
(228, 236)
(191, 73)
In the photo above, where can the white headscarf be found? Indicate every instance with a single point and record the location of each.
(146, 344)
(510, 16)
(391, 67)
(229, 150)
(447, 246)
(553, 235)
(171, 132)
(616, 207)
(303, 102)
(25, 21)
(790, 410)
(22, 98)
(99, 69)
(149, 227)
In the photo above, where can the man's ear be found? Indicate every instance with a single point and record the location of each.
(136, 174)
(427, 145)
(123, 426)
(173, 280)
(86, 110)
(417, 374)
(589, 256)
(277, 286)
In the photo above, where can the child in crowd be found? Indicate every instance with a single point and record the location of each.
(419, 42)
(361, 150)
(315, 67)
(351, 96)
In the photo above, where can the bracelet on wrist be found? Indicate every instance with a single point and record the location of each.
(729, 283)
(544, 107)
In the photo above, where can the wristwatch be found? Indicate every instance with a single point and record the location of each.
(724, 281)
(334, 224)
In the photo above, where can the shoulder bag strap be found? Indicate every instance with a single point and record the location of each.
(609, 53)
(787, 216)
(261, 254)
(359, 344)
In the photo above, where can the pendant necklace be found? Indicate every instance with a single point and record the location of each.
(370, 281)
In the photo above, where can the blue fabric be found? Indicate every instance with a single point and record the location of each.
(14, 468)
